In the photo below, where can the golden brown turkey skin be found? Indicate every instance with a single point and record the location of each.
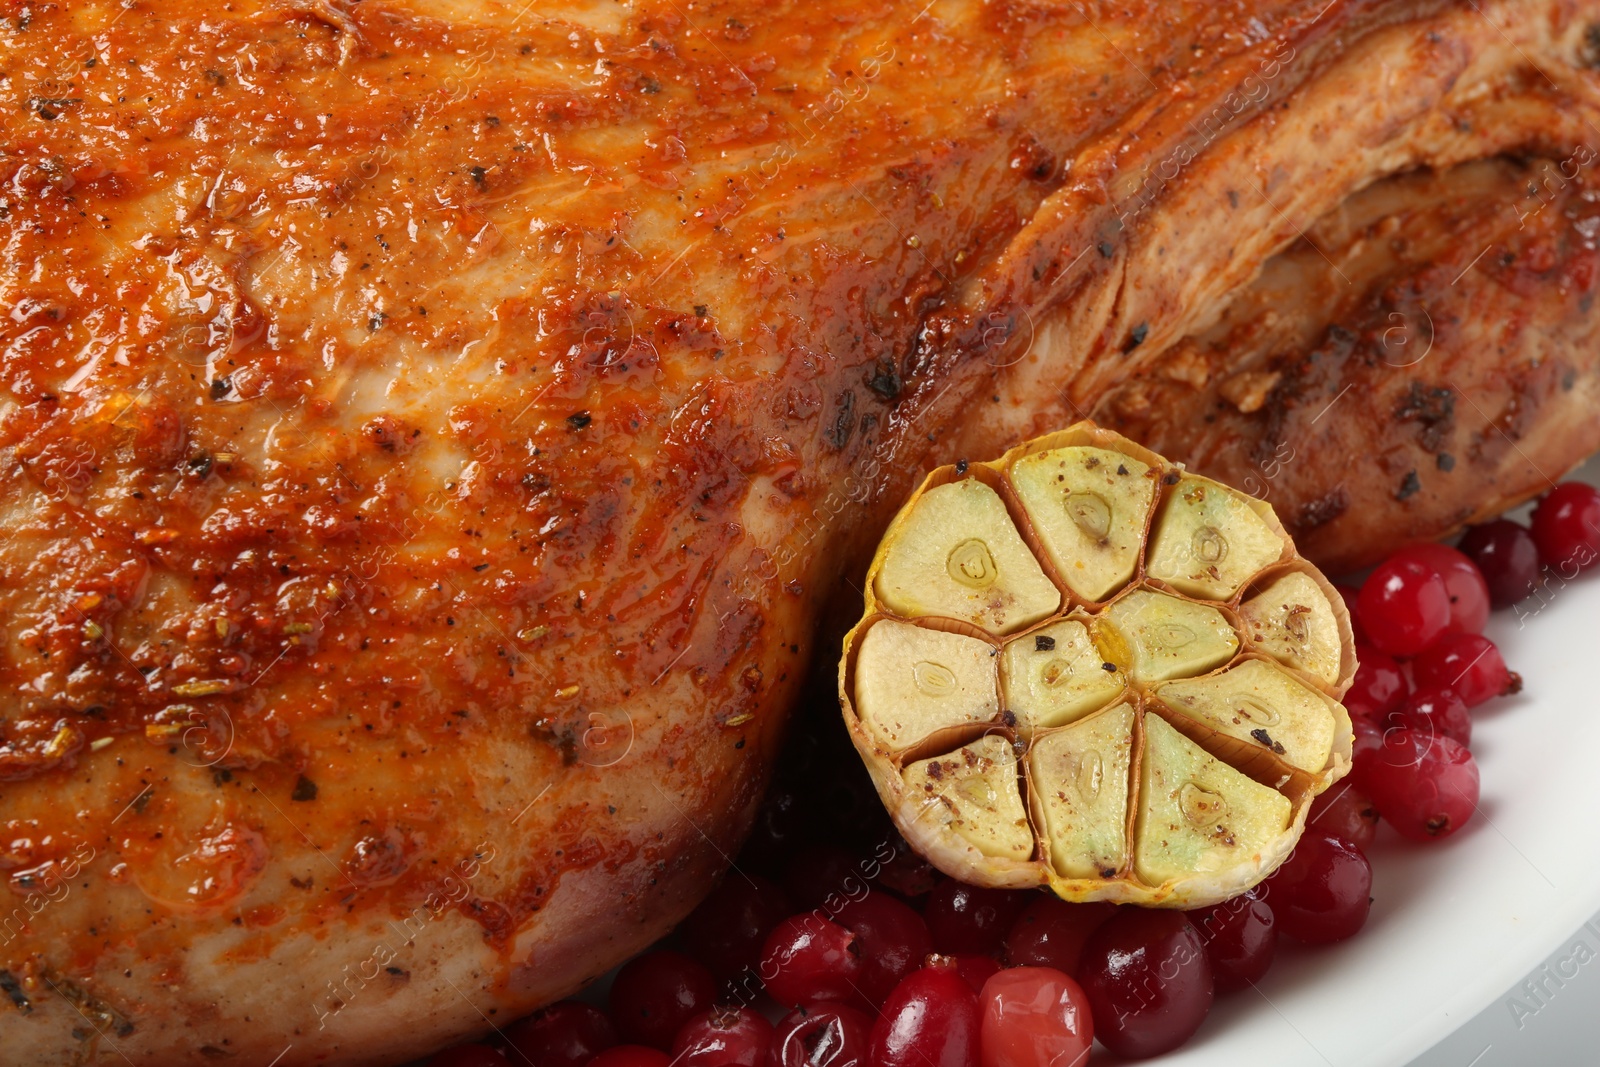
(431, 429)
(1428, 354)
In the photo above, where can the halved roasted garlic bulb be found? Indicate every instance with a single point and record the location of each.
(1082, 667)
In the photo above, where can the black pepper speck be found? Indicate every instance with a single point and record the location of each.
(1409, 485)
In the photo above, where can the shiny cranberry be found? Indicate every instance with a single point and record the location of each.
(1346, 810)
(1404, 606)
(1240, 936)
(1322, 893)
(468, 1056)
(891, 940)
(1378, 687)
(807, 957)
(654, 994)
(823, 1034)
(723, 1037)
(727, 930)
(1148, 979)
(1352, 596)
(966, 919)
(1425, 787)
(930, 1020)
(824, 876)
(975, 970)
(1434, 711)
(1507, 558)
(1470, 664)
(1566, 528)
(1034, 1017)
(1368, 739)
(1469, 593)
(1051, 932)
(631, 1056)
(567, 1034)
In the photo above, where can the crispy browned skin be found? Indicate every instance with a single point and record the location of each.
(1427, 355)
(432, 428)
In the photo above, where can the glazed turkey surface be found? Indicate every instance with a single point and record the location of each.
(431, 431)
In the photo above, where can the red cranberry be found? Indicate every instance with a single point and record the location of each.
(1507, 558)
(975, 970)
(1352, 597)
(1434, 711)
(631, 1056)
(1470, 664)
(1148, 980)
(1404, 606)
(1368, 739)
(654, 994)
(1426, 787)
(891, 940)
(723, 1037)
(468, 1056)
(1323, 891)
(807, 957)
(930, 1020)
(1034, 1017)
(967, 919)
(1469, 592)
(823, 1034)
(1240, 935)
(1378, 687)
(1347, 811)
(567, 1034)
(1050, 932)
(727, 930)
(824, 876)
(1566, 528)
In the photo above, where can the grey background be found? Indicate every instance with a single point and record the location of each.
(1551, 1018)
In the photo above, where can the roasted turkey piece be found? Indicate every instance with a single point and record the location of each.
(1442, 358)
(434, 430)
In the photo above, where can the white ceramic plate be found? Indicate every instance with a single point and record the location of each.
(1454, 924)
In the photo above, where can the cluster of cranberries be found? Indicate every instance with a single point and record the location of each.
(1424, 663)
(869, 958)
